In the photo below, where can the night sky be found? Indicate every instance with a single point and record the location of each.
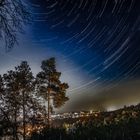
(96, 44)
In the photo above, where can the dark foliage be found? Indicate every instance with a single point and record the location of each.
(126, 127)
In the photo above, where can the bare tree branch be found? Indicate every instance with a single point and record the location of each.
(13, 15)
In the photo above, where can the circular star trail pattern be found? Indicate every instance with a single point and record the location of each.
(102, 37)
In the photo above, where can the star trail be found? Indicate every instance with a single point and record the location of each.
(102, 37)
(98, 41)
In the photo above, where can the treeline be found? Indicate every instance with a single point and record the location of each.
(23, 98)
(123, 124)
(123, 131)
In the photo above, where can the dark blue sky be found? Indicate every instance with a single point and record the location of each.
(96, 42)
(107, 32)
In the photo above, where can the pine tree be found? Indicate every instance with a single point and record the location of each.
(4, 116)
(12, 99)
(20, 106)
(25, 81)
(50, 86)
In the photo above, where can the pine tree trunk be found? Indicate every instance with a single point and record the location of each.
(24, 131)
(46, 115)
(15, 137)
(49, 108)
(15, 127)
(49, 102)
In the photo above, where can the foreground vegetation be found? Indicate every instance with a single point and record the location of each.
(123, 124)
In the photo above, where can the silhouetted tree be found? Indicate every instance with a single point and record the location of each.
(6, 123)
(25, 81)
(13, 14)
(50, 86)
(17, 94)
(12, 99)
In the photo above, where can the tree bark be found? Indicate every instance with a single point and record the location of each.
(49, 82)
(49, 108)
(24, 123)
(15, 126)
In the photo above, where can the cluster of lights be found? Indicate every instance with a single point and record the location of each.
(31, 129)
(75, 115)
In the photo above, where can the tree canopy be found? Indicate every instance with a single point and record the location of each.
(50, 86)
(21, 95)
